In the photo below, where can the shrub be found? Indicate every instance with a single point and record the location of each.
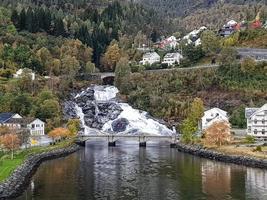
(249, 139)
(258, 148)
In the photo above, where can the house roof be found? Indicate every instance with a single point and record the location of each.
(25, 121)
(5, 116)
(151, 54)
(222, 112)
(250, 111)
(263, 108)
(171, 55)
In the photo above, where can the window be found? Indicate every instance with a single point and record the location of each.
(255, 121)
(263, 132)
(249, 128)
(263, 121)
(33, 126)
(37, 125)
(255, 131)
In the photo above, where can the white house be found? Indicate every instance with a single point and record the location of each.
(172, 58)
(257, 121)
(16, 122)
(36, 127)
(194, 36)
(26, 71)
(168, 43)
(213, 115)
(150, 58)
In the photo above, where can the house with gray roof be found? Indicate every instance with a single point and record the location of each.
(17, 122)
(257, 121)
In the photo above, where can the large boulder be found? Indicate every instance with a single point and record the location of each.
(119, 125)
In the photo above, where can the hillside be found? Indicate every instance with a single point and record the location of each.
(167, 95)
(187, 7)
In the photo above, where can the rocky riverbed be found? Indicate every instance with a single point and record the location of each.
(21, 177)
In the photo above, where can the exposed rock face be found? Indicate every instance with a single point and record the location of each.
(69, 110)
(96, 114)
(120, 125)
(20, 178)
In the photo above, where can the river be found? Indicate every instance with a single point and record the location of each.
(157, 172)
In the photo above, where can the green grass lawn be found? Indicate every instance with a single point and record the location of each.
(7, 166)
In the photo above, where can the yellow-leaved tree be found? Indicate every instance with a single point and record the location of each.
(218, 133)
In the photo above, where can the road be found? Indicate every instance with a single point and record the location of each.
(108, 74)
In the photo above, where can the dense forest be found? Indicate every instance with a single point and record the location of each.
(93, 26)
(187, 7)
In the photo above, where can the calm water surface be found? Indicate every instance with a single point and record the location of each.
(128, 172)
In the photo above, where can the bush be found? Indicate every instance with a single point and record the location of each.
(249, 139)
(258, 148)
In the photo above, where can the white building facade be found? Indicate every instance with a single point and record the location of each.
(257, 121)
(150, 58)
(36, 127)
(172, 58)
(211, 116)
(24, 71)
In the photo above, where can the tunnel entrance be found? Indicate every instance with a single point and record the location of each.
(109, 80)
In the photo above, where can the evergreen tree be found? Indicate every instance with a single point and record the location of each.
(22, 20)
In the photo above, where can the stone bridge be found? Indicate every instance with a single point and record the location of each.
(106, 77)
(141, 138)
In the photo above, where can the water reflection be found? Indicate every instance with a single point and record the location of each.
(129, 172)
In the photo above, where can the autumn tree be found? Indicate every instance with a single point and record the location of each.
(122, 71)
(74, 125)
(227, 55)
(10, 142)
(112, 55)
(4, 130)
(70, 66)
(90, 67)
(59, 133)
(190, 125)
(218, 133)
(248, 65)
(210, 42)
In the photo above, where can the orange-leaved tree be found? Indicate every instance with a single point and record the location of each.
(218, 133)
(58, 133)
(10, 142)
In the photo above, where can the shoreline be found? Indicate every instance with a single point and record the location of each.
(20, 178)
(221, 157)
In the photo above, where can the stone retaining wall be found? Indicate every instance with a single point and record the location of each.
(20, 178)
(214, 155)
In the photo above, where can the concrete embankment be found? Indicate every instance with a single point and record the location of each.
(20, 178)
(218, 156)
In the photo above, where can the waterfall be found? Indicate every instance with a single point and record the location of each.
(98, 108)
(80, 114)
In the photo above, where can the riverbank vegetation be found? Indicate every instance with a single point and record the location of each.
(8, 165)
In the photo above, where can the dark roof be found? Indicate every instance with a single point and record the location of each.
(250, 111)
(22, 121)
(5, 116)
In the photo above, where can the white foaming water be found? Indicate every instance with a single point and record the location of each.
(80, 114)
(105, 93)
(138, 120)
